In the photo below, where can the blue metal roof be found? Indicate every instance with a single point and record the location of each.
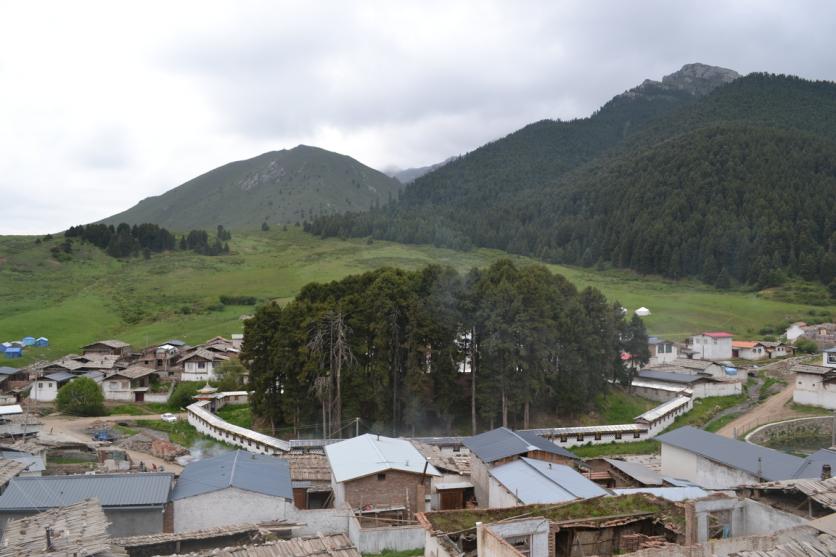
(502, 443)
(769, 464)
(112, 490)
(537, 481)
(263, 474)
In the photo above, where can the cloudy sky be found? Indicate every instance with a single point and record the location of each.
(105, 103)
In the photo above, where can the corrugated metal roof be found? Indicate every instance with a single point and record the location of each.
(369, 454)
(811, 467)
(263, 474)
(588, 429)
(335, 545)
(59, 376)
(811, 369)
(655, 413)
(537, 481)
(660, 386)
(769, 464)
(638, 472)
(502, 443)
(6, 370)
(821, 491)
(10, 409)
(113, 490)
(33, 463)
(674, 494)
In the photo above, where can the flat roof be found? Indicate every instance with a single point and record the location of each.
(638, 472)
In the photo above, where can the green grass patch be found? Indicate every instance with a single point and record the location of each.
(619, 407)
(767, 385)
(180, 432)
(705, 409)
(128, 410)
(648, 446)
(722, 421)
(174, 295)
(125, 431)
(807, 409)
(237, 414)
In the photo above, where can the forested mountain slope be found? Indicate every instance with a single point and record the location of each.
(736, 184)
(286, 186)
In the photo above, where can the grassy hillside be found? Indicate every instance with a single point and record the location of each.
(175, 295)
(285, 186)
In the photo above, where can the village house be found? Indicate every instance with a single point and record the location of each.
(716, 462)
(13, 379)
(130, 384)
(526, 481)
(815, 385)
(656, 384)
(828, 358)
(823, 334)
(748, 350)
(163, 359)
(661, 351)
(711, 346)
(776, 349)
(33, 464)
(46, 388)
(201, 365)
(134, 504)
(694, 367)
(236, 487)
(453, 489)
(310, 476)
(503, 445)
(107, 348)
(374, 474)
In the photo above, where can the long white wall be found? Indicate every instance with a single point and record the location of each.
(209, 424)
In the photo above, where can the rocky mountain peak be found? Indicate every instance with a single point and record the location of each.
(699, 79)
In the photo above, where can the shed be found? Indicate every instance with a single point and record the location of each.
(13, 352)
(528, 481)
(28, 341)
(373, 471)
(133, 503)
(642, 312)
(233, 488)
(41, 341)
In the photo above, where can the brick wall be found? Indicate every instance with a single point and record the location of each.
(395, 489)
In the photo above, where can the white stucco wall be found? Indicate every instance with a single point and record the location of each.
(228, 506)
(43, 390)
(810, 390)
(686, 465)
(757, 353)
(117, 389)
(709, 348)
(499, 497)
(536, 528)
(378, 540)
(726, 388)
(191, 372)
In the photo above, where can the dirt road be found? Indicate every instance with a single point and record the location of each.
(771, 410)
(58, 428)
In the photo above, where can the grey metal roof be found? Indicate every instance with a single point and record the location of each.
(638, 472)
(263, 474)
(59, 376)
(6, 370)
(769, 464)
(663, 409)
(811, 467)
(369, 454)
(812, 369)
(502, 442)
(671, 376)
(112, 490)
(33, 463)
(537, 481)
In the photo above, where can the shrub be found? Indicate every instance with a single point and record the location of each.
(806, 346)
(183, 394)
(238, 300)
(81, 397)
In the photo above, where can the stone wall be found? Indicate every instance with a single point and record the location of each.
(785, 432)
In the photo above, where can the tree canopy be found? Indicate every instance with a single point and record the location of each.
(81, 397)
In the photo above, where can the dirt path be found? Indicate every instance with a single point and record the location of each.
(60, 428)
(772, 409)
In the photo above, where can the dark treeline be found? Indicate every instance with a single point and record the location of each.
(737, 187)
(424, 351)
(125, 240)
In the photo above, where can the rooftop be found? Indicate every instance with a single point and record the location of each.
(9, 469)
(675, 494)
(638, 472)
(59, 376)
(112, 490)
(537, 481)
(369, 454)
(758, 461)
(811, 369)
(717, 334)
(655, 413)
(134, 372)
(111, 343)
(745, 344)
(671, 376)
(267, 475)
(503, 442)
(334, 545)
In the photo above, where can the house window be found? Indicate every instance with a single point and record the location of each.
(618, 435)
(381, 477)
(201, 365)
(579, 437)
(40, 385)
(636, 435)
(520, 543)
(597, 436)
(564, 438)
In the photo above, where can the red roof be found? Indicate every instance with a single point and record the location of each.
(744, 344)
(626, 356)
(718, 334)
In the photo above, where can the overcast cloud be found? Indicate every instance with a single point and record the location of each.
(105, 103)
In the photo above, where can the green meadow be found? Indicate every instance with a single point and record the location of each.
(176, 295)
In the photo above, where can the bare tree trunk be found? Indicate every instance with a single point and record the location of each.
(473, 365)
(525, 414)
(504, 408)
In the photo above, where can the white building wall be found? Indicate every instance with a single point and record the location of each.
(710, 348)
(828, 359)
(727, 388)
(793, 332)
(117, 389)
(499, 497)
(685, 465)
(192, 371)
(810, 390)
(226, 507)
(756, 353)
(43, 390)
(657, 357)
(536, 528)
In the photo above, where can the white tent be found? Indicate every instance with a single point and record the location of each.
(642, 312)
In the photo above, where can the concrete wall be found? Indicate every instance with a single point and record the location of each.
(725, 388)
(191, 371)
(316, 521)
(228, 506)
(156, 397)
(117, 389)
(209, 424)
(809, 389)
(708, 348)
(378, 540)
(499, 497)
(43, 390)
(433, 547)
(479, 479)
(536, 528)
(756, 353)
(764, 519)
(123, 523)
(489, 544)
(686, 465)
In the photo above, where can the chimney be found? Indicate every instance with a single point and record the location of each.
(825, 471)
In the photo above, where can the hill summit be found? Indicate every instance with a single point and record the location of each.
(278, 187)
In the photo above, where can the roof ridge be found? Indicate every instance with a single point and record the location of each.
(536, 469)
(234, 464)
(380, 454)
(521, 438)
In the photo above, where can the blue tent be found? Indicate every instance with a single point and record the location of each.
(28, 341)
(14, 352)
(42, 341)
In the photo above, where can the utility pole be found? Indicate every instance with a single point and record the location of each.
(357, 427)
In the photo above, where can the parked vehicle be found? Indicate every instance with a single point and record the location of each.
(168, 417)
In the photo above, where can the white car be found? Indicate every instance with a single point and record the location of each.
(168, 417)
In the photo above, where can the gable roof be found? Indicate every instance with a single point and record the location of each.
(257, 473)
(768, 464)
(638, 472)
(203, 353)
(149, 489)
(503, 442)
(6, 370)
(133, 372)
(745, 343)
(537, 481)
(111, 343)
(370, 454)
(811, 467)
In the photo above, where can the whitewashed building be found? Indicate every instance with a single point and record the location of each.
(749, 350)
(201, 365)
(661, 351)
(715, 346)
(815, 385)
(828, 358)
(46, 388)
